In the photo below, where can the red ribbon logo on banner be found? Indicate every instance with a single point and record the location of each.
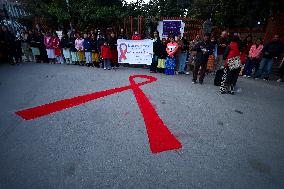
(160, 137)
(122, 52)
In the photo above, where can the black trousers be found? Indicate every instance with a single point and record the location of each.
(197, 66)
(281, 71)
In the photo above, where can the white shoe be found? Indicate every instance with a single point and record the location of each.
(248, 76)
(186, 73)
(265, 79)
(104, 68)
(279, 80)
(244, 75)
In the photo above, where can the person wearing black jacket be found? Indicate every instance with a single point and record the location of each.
(203, 50)
(156, 46)
(6, 44)
(73, 50)
(35, 44)
(88, 47)
(162, 55)
(269, 51)
(113, 48)
(65, 45)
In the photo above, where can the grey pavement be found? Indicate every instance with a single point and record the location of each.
(228, 141)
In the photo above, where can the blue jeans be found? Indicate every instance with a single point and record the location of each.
(182, 59)
(250, 64)
(107, 63)
(265, 68)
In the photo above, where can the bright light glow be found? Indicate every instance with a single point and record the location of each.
(133, 1)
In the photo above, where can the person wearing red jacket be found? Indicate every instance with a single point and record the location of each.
(136, 36)
(231, 73)
(106, 55)
(57, 49)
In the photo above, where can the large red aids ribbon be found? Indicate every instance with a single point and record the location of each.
(160, 137)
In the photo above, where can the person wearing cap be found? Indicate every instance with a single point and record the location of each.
(203, 50)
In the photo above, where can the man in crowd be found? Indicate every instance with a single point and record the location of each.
(203, 50)
(192, 53)
(270, 51)
(222, 43)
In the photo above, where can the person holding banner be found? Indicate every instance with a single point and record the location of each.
(172, 48)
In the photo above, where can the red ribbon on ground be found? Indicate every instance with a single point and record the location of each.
(160, 137)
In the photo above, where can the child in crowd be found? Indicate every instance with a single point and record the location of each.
(106, 55)
(172, 47)
(65, 45)
(80, 49)
(162, 55)
(48, 39)
(88, 47)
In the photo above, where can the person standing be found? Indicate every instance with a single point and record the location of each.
(222, 43)
(122, 35)
(26, 46)
(88, 47)
(106, 55)
(192, 53)
(270, 51)
(136, 36)
(73, 50)
(162, 55)
(65, 45)
(172, 48)
(80, 49)
(113, 49)
(183, 55)
(253, 58)
(232, 66)
(156, 47)
(48, 39)
(203, 50)
(57, 49)
(281, 71)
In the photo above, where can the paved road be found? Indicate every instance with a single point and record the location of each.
(228, 141)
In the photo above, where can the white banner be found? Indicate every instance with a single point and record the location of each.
(135, 51)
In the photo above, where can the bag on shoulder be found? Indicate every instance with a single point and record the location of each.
(234, 63)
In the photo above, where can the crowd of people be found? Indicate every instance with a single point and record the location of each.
(226, 57)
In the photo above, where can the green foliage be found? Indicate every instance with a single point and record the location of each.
(228, 13)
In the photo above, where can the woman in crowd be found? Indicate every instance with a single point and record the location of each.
(172, 48)
(73, 50)
(253, 59)
(232, 65)
(26, 46)
(48, 42)
(156, 46)
(162, 55)
(57, 49)
(80, 49)
(35, 44)
(65, 45)
(113, 47)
